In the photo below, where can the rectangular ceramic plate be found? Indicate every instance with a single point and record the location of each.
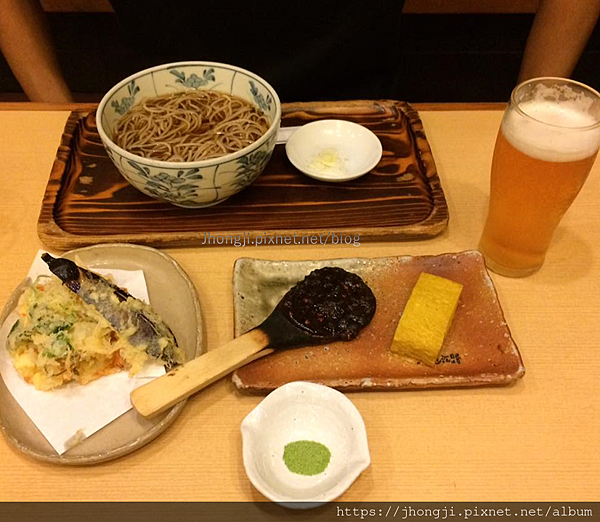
(87, 201)
(478, 350)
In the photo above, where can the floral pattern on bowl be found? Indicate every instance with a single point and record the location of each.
(126, 102)
(193, 82)
(200, 183)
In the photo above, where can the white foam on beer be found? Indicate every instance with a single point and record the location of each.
(554, 131)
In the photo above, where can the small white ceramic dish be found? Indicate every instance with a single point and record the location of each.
(304, 411)
(333, 150)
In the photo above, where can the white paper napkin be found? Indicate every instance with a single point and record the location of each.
(73, 412)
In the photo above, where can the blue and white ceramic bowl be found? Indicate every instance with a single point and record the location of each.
(199, 183)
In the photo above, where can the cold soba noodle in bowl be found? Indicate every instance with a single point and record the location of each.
(190, 126)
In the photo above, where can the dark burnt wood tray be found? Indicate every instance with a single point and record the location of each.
(87, 201)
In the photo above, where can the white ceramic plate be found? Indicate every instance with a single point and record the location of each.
(333, 150)
(174, 297)
(304, 411)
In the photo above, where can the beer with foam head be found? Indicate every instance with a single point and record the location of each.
(546, 146)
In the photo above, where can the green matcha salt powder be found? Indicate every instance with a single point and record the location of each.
(306, 457)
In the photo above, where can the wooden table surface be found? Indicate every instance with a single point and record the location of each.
(536, 440)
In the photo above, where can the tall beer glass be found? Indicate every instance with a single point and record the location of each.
(547, 143)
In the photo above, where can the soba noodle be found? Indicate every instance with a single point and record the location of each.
(190, 126)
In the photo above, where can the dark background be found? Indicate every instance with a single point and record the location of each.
(443, 57)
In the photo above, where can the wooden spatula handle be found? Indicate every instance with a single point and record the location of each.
(181, 382)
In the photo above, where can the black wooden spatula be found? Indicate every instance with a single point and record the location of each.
(330, 304)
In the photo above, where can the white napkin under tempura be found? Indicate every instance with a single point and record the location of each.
(71, 413)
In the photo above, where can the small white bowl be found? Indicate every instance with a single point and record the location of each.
(333, 150)
(304, 411)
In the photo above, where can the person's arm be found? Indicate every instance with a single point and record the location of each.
(26, 43)
(558, 36)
